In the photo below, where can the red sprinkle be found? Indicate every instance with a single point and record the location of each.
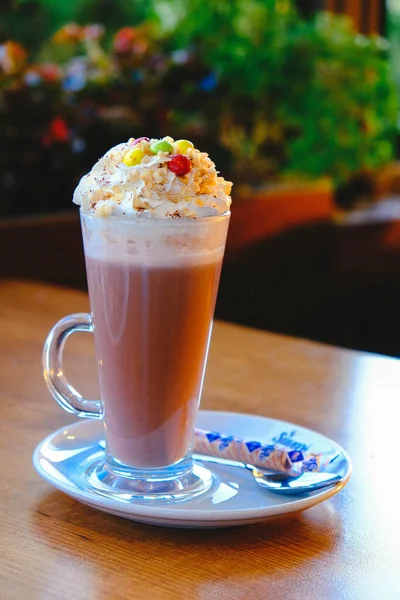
(179, 164)
(140, 140)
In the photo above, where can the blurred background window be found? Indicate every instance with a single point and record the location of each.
(369, 16)
(393, 34)
(297, 101)
(277, 91)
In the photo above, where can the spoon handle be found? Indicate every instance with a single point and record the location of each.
(275, 456)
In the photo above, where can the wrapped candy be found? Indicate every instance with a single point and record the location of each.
(281, 455)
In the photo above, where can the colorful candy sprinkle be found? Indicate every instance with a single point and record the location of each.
(182, 146)
(138, 140)
(161, 146)
(179, 164)
(133, 157)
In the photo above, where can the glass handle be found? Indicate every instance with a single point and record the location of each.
(62, 391)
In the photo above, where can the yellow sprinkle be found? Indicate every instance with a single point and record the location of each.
(182, 146)
(133, 157)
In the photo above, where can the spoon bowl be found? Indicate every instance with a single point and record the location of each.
(281, 483)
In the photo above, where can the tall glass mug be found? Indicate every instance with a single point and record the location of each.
(152, 287)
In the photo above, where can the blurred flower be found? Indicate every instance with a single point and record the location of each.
(130, 40)
(100, 62)
(93, 32)
(180, 57)
(45, 72)
(124, 39)
(137, 75)
(12, 57)
(32, 77)
(78, 145)
(69, 34)
(57, 131)
(208, 83)
(50, 72)
(76, 74)
(158, 62)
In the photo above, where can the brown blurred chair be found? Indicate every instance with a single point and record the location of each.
(45, 248)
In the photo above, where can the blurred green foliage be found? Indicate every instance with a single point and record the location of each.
(393, 35)
(346, 120)
(33, 21)
(269, 93)
(305, 97)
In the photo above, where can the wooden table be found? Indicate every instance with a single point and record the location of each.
(53, 547)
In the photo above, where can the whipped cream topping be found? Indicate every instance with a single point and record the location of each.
(150, 188)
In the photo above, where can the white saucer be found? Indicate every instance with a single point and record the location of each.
(234, 498)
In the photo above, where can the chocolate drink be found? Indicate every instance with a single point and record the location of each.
(155, 216)
(152, 325)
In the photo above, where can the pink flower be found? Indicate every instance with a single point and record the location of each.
(130, 40)
(93, 32)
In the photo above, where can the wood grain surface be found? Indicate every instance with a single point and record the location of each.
(53, 547)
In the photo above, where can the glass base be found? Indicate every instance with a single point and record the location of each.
(170, 484)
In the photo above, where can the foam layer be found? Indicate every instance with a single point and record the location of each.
(153, 242)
